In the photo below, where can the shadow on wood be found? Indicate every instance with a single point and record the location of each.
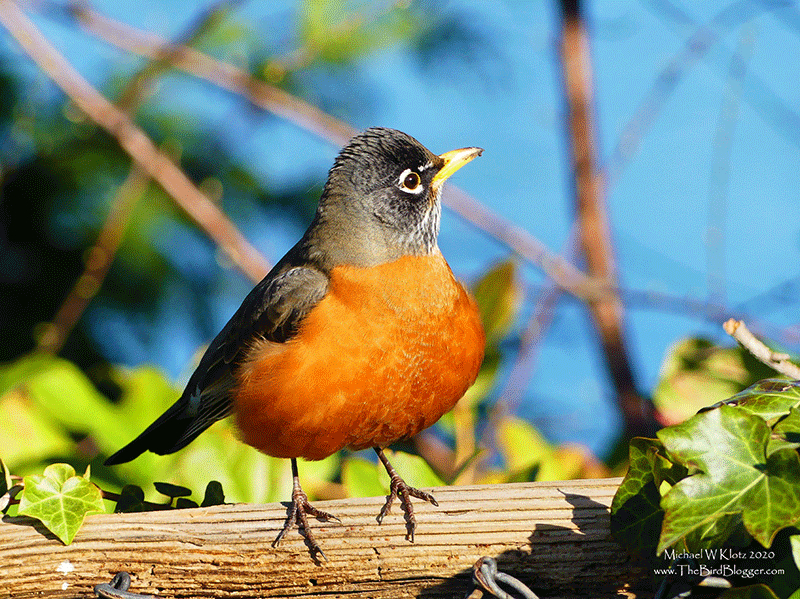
(552, 536)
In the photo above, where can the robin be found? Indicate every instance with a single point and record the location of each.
(360, 336)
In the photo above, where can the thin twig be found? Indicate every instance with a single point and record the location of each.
(539, 322)
(757, 94)
(721, 166)
(695, 308)
(565, 274)
(608, 311)
(646, 112)
(776, 297)
(224, 75)
(141, 81)
(777, 361)
(98, 262)
(134, 141)
(521, 371)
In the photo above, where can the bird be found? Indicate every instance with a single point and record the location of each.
(359, 337)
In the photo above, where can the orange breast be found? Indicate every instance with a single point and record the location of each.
(385, 354)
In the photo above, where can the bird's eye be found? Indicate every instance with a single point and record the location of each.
(410, 181)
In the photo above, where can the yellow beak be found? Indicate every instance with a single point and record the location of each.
(454, 160)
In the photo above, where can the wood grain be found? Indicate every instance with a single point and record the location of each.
(553, 536)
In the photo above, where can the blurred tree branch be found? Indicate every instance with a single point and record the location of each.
(721, 167)
(757, 94)
(311, 118)
(595, 233)
(101, 255)
(134, 141)
(140, 83)
(543, 312)
(224, 75)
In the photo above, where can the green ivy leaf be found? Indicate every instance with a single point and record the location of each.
(214, 494)
(665, 472)
(499, 296)
(770, 399)
(18, 372)
(89, 411)
(527, 454)
(131, 499)
(753, 591)
(786, 433)
(413, 469)
(521, 445)
(636, 515)
(60, 500)
(640, 470)
(724, 451)
(795, 542)
(246, 474)
(363, 478)
(727, 530)
(784, 576)
(42, 436)
(7, 489)
(171, 490)
(695, 373)
(5, 478)
(318, 473)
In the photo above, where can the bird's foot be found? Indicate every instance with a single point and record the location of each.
(298, 514)
(399, 489)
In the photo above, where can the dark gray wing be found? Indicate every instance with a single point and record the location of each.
(272, 310)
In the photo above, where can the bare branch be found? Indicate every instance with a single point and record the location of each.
(537, 326)
(140, 83)
(565, 274)
(222, 74)
(101, 255)
(134, 141)
(721, 165)
(311, 118)
(777, 361)
(595, 234)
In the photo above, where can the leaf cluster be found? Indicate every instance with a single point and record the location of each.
(61, 499)
(727, 477)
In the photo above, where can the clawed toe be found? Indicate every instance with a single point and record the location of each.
(399, 489)
(298, 514)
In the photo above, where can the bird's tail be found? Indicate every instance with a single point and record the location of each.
(180, 424)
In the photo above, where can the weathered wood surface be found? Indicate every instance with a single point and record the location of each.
(552, 536)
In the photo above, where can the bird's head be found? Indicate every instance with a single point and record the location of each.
(381, 200)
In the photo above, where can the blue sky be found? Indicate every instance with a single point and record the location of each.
(662, 205)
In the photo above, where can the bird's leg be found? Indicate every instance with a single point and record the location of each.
(398, 488)
(298, 514)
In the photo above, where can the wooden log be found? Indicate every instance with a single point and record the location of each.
(553, 536)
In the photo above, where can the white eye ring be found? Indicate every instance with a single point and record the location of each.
(410, 181)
